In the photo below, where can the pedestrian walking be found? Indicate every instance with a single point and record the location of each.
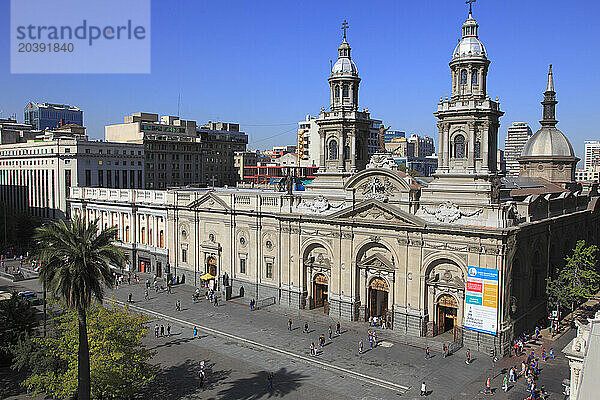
(129, 279)
(130, 298)
(162, 330)
(290, 325)
(201, 376)
(488, 385)
(468, 357)
(338, 329)
(168, 329)
(511, 374)
(306, 327)
(330, 332)
(146, 296)
(195, 331)
(216, 302)
(505, 383)
(270, 380)
(427, 352)
(423, 389)
(156, 331)
(360, 346)
(178, 305)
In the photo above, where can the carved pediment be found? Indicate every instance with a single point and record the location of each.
(209, 202)
(374, 210)
(377, 261)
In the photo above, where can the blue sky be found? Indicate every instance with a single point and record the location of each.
(265, 64)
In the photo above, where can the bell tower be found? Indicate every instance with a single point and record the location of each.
(344, 130)
(468, 121)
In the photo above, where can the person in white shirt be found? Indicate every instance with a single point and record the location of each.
(423, 389)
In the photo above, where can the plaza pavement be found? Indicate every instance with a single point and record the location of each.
(241, 346)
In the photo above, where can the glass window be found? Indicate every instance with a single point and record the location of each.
(474, 77)
(242, 265)
(183, 255)
(477, 149)
(463, 77)
(333, 150)
(345, 91)
(269, 269)
(459, 146)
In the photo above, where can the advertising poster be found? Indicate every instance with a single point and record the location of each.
(481, 305)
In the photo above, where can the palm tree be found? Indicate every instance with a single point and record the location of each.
(75, 266)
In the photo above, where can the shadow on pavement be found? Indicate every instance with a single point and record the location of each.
(181, 381)
(257, 386)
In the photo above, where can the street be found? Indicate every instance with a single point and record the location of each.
(240, 347)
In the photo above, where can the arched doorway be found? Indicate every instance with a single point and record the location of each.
(211, 265)
(447, 311)
(378, 297)
(320, 290)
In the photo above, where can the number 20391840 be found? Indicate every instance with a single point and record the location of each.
(26, 47)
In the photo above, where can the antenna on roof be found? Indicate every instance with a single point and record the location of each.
(330, 65)
(178, 101)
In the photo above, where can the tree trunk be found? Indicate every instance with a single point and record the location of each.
(83, 365)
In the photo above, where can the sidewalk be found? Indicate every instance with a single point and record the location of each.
(586, 310)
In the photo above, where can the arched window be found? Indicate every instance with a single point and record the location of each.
(143, 236)
(346, 152)
(463, 77)
(336, 90)
(127, 234)
(345, 92)
(474, 77)
(333, 150)
(477, 149)
(161, 239)
(459, 146)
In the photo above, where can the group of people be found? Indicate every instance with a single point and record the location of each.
(160, 332)
(321, 341)
(378, 322)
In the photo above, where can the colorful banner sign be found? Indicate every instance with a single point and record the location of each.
(481, 305)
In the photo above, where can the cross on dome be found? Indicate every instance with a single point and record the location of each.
(344, 27)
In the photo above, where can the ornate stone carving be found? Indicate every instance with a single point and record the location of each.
(375, 238)
(402, 241)
(319, 204)
(347, 235)
(382, 160)
(378, 188)
(448, 212)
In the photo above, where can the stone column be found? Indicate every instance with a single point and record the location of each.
(485, 147)
(471, 147)
(353, 151)
(341, 160)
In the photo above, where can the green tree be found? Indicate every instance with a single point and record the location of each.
(119, 360)
(75, 268)
(17, 320)
(578, 280)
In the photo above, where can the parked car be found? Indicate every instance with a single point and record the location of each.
(31, 297)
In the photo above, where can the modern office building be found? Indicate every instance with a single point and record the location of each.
(308, 142)
(219, 142)
(36, 175)
(391, 135)
(588, 175)
(51, 116)
(592, 154)
(516, 137)
(178, 152)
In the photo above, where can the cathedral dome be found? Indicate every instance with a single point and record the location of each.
(548, 142)
(469, 46)
(344, 66)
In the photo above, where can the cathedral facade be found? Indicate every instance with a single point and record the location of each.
(467, 252)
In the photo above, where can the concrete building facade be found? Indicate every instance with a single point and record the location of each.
(36, 175)
(516, 137)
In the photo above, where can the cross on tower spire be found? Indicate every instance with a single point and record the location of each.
(470, 3)
(344, 27)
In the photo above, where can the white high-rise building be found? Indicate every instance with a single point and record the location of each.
(592, 154)
(307, 146)
(516, 137)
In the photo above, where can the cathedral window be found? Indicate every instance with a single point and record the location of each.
(477, 149)
(459, 146)
(336, 89)
(463, 77)
(346, 152)
(345, 92)
(333, 150)
(474, 77)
